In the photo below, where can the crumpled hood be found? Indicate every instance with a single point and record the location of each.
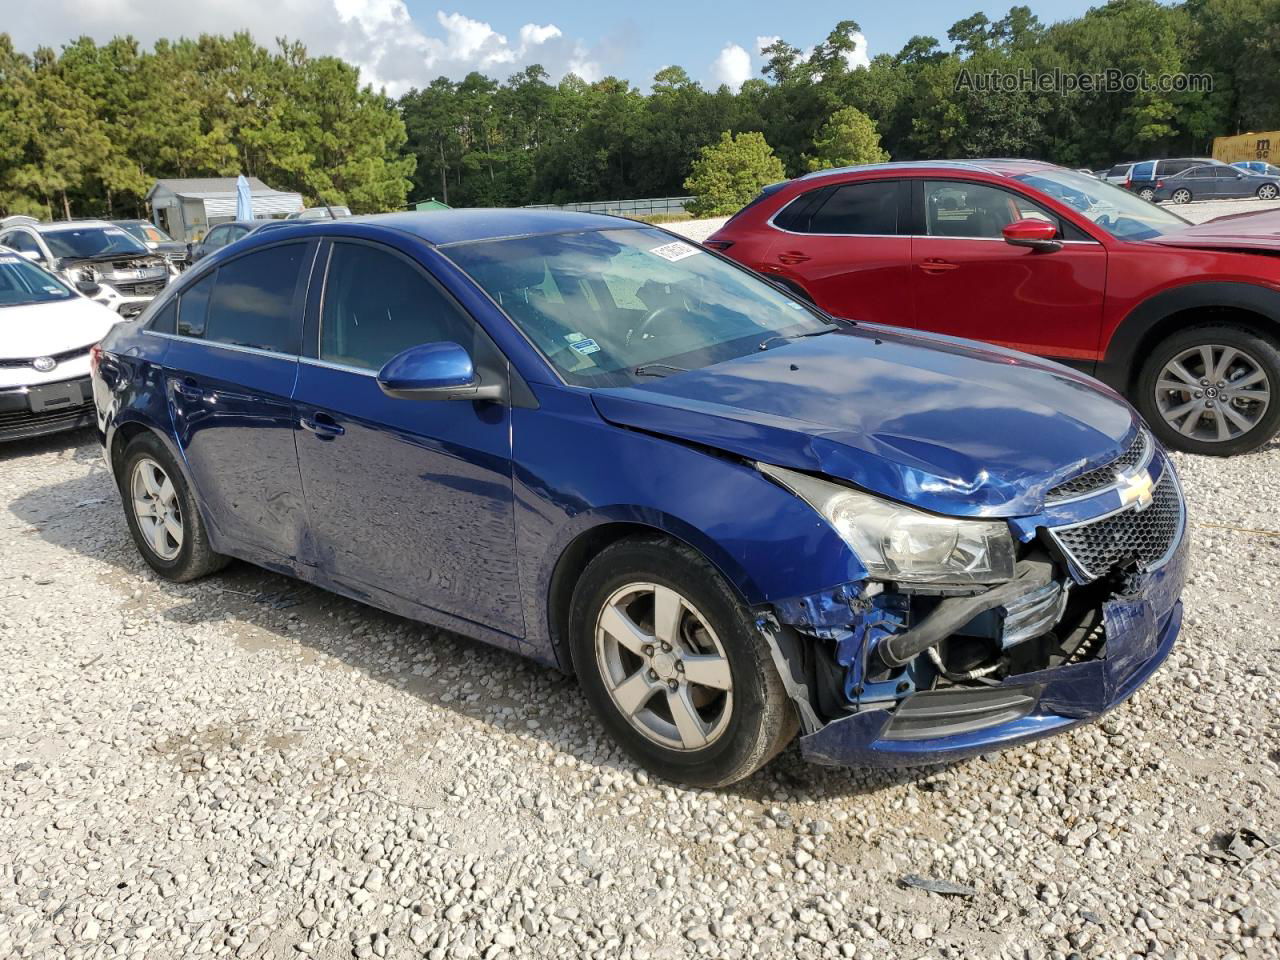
(1253, 231)
(943, 424)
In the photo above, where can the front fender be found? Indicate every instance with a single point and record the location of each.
(766, 542)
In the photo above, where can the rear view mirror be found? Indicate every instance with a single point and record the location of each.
(1034, 233)
(435, 371)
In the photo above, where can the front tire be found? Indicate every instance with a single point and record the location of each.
(673, 665)
(1211, 390)
(1182, 195)
(1268, 191)
(162, 514)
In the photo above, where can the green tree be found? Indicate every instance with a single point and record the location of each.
(848, 138)
(727, 175)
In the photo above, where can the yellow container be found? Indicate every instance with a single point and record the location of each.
(1247, 146)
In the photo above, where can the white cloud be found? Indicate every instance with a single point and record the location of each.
(857, 57)
(732, 67)
(379, 36)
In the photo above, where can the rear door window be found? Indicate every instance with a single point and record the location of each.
(253, 300)
(859, 209)
(1143, 171)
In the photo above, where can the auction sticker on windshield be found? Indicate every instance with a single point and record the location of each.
(674, 251)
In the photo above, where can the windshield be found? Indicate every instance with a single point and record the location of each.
(612, 307)
(146, 232)
(1122, 214)
(83, 242)
(22, 282)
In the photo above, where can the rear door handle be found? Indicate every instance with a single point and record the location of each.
(322, 425)
(792, 257)
(934, 265)
(188, 389)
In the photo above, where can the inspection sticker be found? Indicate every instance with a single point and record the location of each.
(585, 346)
(674, 251)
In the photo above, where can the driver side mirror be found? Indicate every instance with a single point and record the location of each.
(436, 371)
(1034, 233)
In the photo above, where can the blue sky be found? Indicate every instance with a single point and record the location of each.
(638, 39)
(404, 43)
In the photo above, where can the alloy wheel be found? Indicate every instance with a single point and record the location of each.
(1147, 194)
(663, 666)
(1213, 393)
(1182, 196)
(157, 508)
(1267, 191)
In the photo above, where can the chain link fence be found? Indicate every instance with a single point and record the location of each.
(626, 208)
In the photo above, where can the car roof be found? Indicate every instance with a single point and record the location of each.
(58, 225)
(996, 166)
(442, 227)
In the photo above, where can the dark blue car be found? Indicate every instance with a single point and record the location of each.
(593, 443)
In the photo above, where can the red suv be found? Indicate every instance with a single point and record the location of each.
(1182, 319)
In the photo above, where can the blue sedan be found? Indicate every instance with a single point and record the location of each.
(730, 515)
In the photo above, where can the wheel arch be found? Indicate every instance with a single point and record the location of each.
(1247, 305)
(587, 544)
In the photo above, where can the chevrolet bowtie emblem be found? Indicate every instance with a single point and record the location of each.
(1136, 489)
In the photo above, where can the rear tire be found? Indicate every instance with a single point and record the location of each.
(174, 542)
(719, 670)
(1147, 194)
(1175, 372)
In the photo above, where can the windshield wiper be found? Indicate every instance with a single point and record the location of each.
(764, 344)
(657, 370)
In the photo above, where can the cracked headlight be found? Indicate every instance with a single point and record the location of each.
(896, 542)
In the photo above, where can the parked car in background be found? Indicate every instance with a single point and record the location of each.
(1117, 174)
(1183, 320)
(734, 516)
(1143, 177)
(225, 234)
(1216, 182)
(125, 275)
(1259, 166)
(46, 330)
(157, 241)
(321, 213)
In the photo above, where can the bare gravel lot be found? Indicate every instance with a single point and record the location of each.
(247, 766)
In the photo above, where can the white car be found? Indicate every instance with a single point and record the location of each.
(98, 258)
(46, 331)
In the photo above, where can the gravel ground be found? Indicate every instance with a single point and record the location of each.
(247, 766)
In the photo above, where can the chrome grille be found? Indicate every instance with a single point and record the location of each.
(1132, 536)
(57, 357)
(1100, 478)
(142, 288)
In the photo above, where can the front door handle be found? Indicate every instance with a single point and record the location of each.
(934, 265)
(792, 257)
(322, 425)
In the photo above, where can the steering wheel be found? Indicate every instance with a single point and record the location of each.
(642, 331)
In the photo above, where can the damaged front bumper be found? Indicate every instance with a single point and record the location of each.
(912, 719)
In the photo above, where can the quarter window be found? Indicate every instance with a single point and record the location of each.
(23, 242)
(252, 304)
(193, 307)
(376, 305)
(859, 209)
(166, 321)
